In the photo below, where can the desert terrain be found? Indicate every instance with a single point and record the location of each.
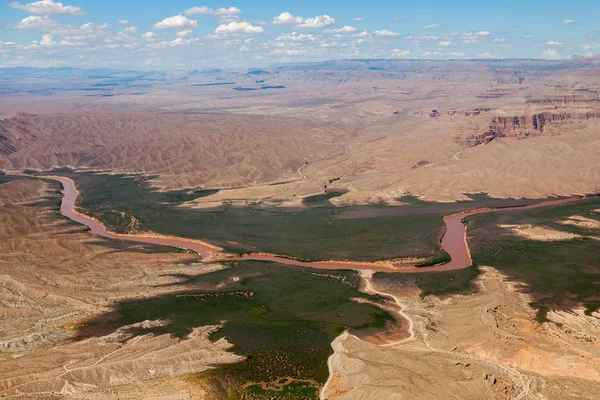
(351, 162)
(433, 129)
(475, 346)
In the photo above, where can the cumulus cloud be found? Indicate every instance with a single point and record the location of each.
(428, 38)
(555, 43)
(185, 33)
(130, 30)
(150, 36)
(47, 7)
(243, 27)
(122, 21)
(47, 41)
(296, 37)
(486, 55)
(203, 10)
(445, 43)
(359, 19)
(176, 22)
(400, 53)
(432, 26)
(528, 37)
(286, 18)
(567, 21)
(35, 22)
(473, 37)
(385, 33)
(550, 53)
(228, 11)
(344, 29)
(320, 21)
(91, 27)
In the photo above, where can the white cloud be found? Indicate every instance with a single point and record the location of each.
(587, 47)
(344, 29)
(180, 41)
(472, 37)
(385, 33)
(290, 52)
(555, 43)
(47, 41)
(486, 55)
(35, 22)
(432, 26)
(238, 28)
(550, 53)
(455, 54)
(47, 7)
(150, 36)
(130, 30)
(296, 37)
(122, 21)
(429, 38)
(91, 27)
(445, 43)
(176, 22)
(359, 19)
(567, 21)
(286, 18)
(400, 53)
(185, 33)
(320, 21)
(203, 10)
(228, 11)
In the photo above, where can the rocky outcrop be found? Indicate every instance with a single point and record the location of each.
(536, 124)
(560, 111)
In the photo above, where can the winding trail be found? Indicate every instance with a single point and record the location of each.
(337, 346)
(454, 242)
(370, 289)
(525, 383)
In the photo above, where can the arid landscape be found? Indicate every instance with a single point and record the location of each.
(315, 193)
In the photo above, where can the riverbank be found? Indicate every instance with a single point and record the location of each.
(453, 241)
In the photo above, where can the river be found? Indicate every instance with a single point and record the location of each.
(454, 240)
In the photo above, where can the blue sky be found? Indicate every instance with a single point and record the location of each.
(234, 34)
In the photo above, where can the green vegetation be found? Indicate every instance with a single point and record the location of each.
(6, 178)
(293, 390)
(558, 274)
(321, 199)
(281, 318)
(437, 283)
(318, 232)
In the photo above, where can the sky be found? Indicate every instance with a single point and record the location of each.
(187, 34)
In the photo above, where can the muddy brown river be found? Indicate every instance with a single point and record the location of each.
(454, 241)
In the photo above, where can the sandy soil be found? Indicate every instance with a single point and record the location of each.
(582, 222)
(55, 275)
(379, 136)
(541, 233)
(485, 345)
